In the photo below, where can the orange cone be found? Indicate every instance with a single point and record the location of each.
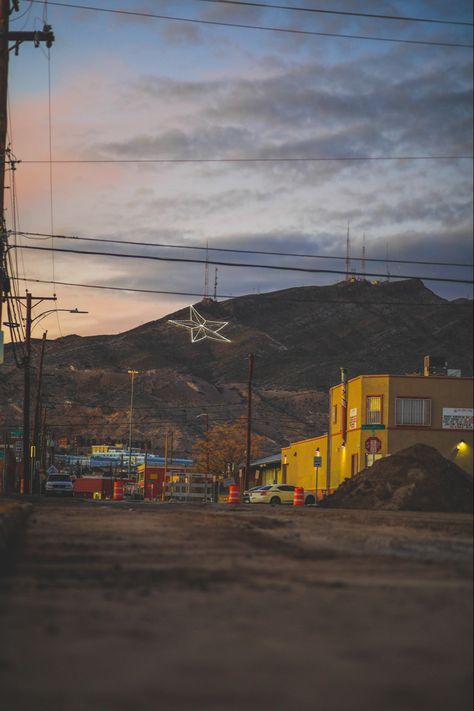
(118, 490)
(234, 495)
(298, 497)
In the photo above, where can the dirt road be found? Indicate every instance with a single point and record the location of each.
(135, 607)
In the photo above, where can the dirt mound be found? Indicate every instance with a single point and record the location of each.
(418, 478)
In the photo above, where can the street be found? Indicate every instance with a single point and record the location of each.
(121, 606)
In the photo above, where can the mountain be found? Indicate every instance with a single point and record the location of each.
(299, 337)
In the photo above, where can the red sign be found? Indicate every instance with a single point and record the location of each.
(373, 445)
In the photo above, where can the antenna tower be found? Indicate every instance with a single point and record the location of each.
(363, 257)
(348, 253)
(215, 284)
(206, 273)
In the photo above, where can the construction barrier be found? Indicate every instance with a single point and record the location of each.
(298, 496)
(118, 490)
(234, 495)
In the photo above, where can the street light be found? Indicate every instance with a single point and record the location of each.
(204, 414)
(35, 321)
(133, 373)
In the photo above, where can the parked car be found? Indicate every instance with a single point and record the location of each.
(58, 485)
(246, 494)
(277, 494)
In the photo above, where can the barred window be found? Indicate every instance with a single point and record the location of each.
(374, 410)
(411, 411)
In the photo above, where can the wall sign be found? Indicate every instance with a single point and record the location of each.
(458, 418)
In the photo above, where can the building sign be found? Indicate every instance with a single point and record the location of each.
(458, 418)
(353, 418)
(373, 445)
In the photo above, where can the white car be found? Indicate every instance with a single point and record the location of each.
(58, 485)
(277, 494)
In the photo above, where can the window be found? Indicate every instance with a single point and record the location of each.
(334, 413)
(413, 411)
(374, 410)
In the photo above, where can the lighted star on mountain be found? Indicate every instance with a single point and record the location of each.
(200, 328)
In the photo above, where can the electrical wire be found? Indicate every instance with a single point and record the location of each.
(242, 26)
(215, 262)
(290, 159)
(242, 251)
(339, 12)
(269, 295)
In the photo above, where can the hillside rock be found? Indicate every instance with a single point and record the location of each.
(300, 338)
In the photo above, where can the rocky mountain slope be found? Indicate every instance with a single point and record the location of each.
(300, 338)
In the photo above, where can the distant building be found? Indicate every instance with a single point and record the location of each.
(373, 416)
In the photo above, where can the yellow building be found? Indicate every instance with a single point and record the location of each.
(373, 416)
(99, 448)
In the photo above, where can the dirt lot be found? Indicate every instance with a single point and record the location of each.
(118, 607)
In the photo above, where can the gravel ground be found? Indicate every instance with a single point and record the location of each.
(114, 607)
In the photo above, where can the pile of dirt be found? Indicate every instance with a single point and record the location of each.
(418, 478)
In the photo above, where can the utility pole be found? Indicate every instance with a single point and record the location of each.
(249, 425)
(133, 373)
(46, 35)
(26, 364)
(36, 420)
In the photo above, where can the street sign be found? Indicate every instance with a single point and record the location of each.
(52, 470)
(318, 461)
(373, 445)
(373, 427)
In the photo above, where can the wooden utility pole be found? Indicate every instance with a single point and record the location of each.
(245, 482)
(46, 35)
(36, 419)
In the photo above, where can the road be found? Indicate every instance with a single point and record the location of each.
(121, 607)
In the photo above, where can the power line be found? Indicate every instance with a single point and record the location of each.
(269, 295)
(263, 28)
(274, 267)
(273, 159)
(206, 249)
(339, 12)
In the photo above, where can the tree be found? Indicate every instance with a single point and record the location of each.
(226, 446)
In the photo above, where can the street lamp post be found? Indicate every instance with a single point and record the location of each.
(133, 373)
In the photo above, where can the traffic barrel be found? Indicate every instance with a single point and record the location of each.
(118, 490)
(298, 496)
(234, 495)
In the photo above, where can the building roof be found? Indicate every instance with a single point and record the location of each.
(272, 459)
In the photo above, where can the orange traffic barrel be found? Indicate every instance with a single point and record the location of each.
(234, 495)
(298, 496)
(118, 490)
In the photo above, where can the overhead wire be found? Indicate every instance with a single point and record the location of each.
(246, 26)
(240, 251)
(273, 159)
(342, 13)
(215, 262)
(236, 296)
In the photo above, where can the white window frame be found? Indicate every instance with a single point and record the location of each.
(413, 411)
(374, 417)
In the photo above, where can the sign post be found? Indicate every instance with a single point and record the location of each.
(317, 461)
(373, 445)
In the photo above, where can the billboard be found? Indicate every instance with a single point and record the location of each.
(457, 418)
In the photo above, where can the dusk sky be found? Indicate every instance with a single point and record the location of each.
(127, 88)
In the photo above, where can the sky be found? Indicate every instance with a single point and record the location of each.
(117, 87)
